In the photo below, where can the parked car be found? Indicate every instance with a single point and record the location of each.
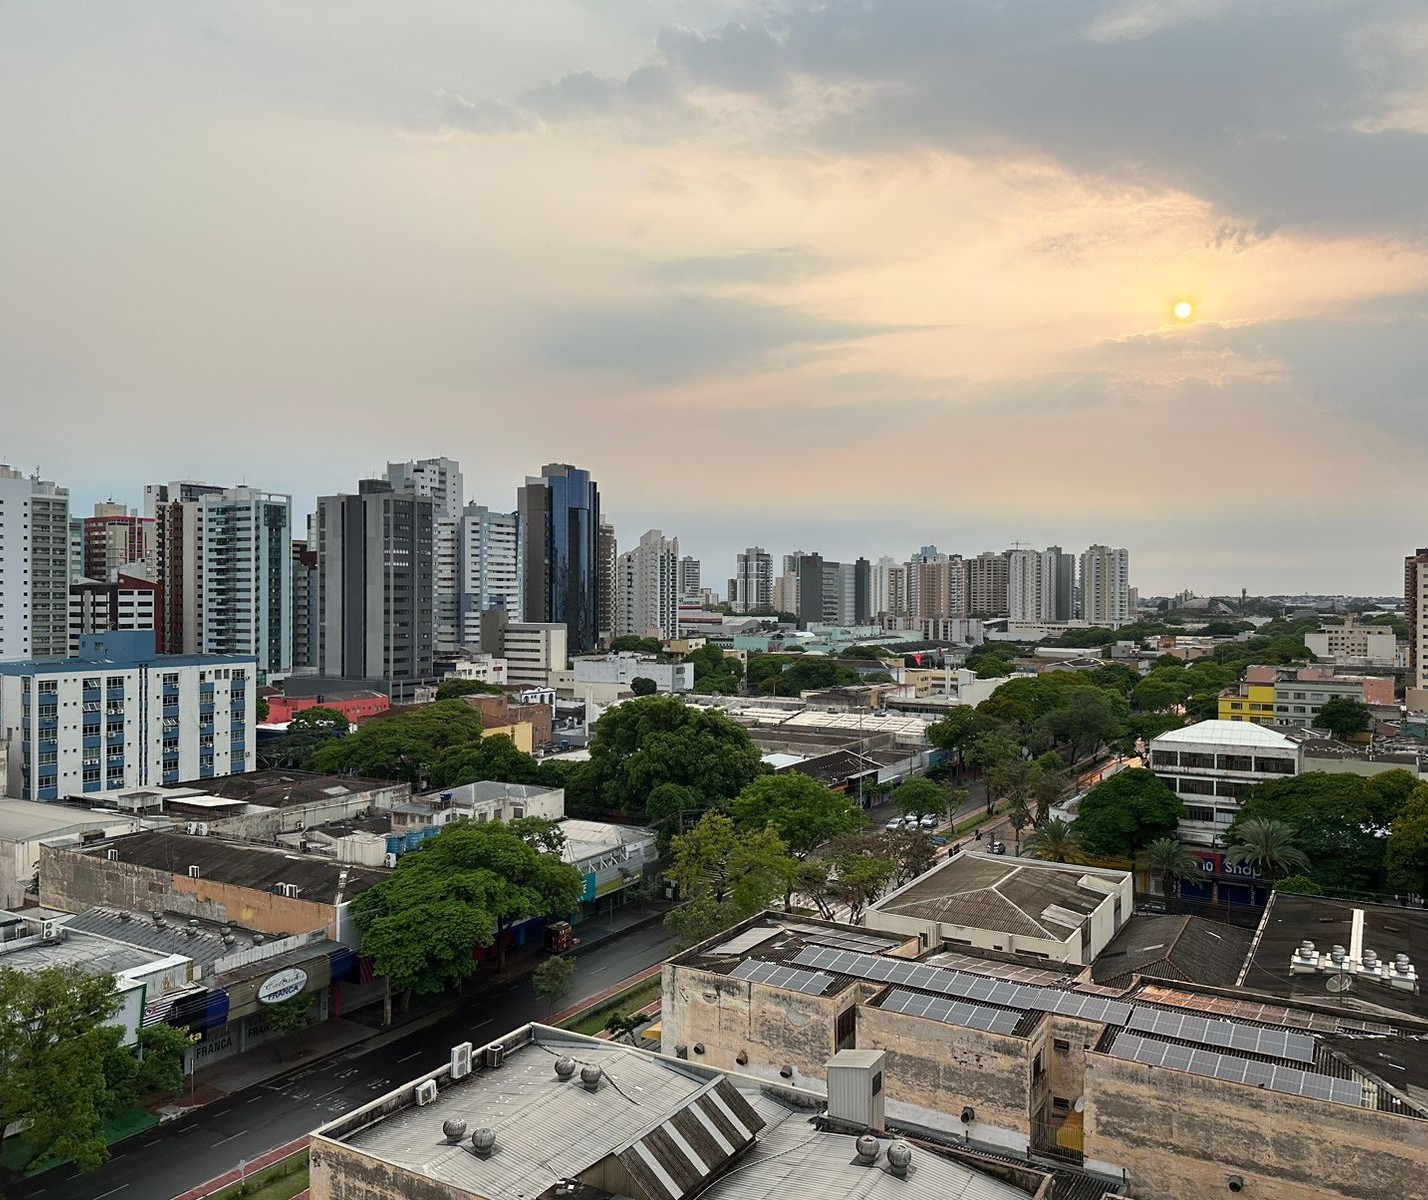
(894, 825)
(938, 840)
(929, 822)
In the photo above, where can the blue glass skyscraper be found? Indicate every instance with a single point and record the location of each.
(558, 549)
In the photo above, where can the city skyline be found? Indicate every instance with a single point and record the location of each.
(894, 271)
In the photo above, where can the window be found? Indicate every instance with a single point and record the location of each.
(1193, 758)
(1197, 787)
(1164, 758)
(1061, 1046)
(1060, 1104)
(1236, 762)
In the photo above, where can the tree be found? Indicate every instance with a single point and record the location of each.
(1126, 813)
(959, 727)
(1048, 786)
(454, 893)
(1055, 841)
(1009, 779)
(1088, 717)
(319, 719)
(55, 1045)
(623, 1027)
(1406, 855)
(814, 672)
(402, 746)
(725, 876)
(290, 1015)
(1171, 863)
(628, 644)
(262, 709)
(1268, 846)
(715, 673)
(1299, 885)
(921, 798)
(553, 980)
(655, 740)
(1343, 717)
(454, 689)
(804, 812)
(642, 685)
(496, 758)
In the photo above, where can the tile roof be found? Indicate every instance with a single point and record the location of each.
(1186, 948)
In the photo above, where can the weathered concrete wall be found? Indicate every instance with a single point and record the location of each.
(1181, 1136)
(337, 1172)
(75, 882)
(265, 826)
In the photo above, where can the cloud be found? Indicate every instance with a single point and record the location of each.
(778, 264)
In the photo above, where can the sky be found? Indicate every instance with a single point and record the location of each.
(852, 276)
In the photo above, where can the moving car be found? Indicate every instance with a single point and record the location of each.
(998, 847)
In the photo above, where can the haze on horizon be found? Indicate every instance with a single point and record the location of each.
(852, 276)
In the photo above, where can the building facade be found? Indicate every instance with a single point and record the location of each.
(559, 545)
(1040, 585)
(247, 577)
(128, 602)
(648, 588)
(987, 584)
(115, 538)
(531, 649)
(1105, 587)
(1352, 642)
(489, 577)
(34, 560)
(439, 478)
(752, 585)
(121, 715)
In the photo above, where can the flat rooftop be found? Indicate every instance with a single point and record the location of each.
(28, 820)
(262, 868)
(1014, 896)
(666, 1129)
(280, 789)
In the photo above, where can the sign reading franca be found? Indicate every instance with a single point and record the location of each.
(282, 986)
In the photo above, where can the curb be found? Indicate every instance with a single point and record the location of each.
(600, 999)
(267, 1159)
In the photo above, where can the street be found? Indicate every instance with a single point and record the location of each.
(174, 1157)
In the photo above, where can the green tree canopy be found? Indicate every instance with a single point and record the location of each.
(1298, 885)
(813, 672)
(642, 745)
(1055, 840)
(715, 673)
(1087, 717)
(1406, 854)
(1171, 862)
(960, 726)
(1126, 813)
(454, 893)
(628, 644)
(725, 875)
(495, 758)
(454, 689)
(1268, 846)
(921, 798)
(553, 980)
(642, 685)
(1343, 717)
(319, 719)
(805, 812)
(405, 745)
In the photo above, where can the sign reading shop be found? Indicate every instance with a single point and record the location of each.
(283, 985)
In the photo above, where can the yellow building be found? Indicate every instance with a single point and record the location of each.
(1249, 702)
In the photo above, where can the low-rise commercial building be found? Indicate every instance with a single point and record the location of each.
(1355, 644)
(621, 670)
(26, 825)
(1295, 695)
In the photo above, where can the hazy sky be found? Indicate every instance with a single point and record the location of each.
(851, 276)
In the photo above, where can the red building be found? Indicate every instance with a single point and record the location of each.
(355, 706)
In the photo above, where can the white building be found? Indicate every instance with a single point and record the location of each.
(1105, 587)
(34, 567)
(489, 578)
(1211, 764)
(1031, 584)
(887, 588)
(247, 577)
(623, 669)
(25, 824)
(647, 591)
(488, 801)
(479, 668)
(752, 585)
(532, 649)
(1352, 643)
(439, 478)
(122, 716)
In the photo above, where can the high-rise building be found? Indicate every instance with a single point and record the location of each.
(689, 577)
(808, 570)
(1065, 584)
(304, 574)
(115, 538)
(784, 593)
(607, 554)
(374, 586)
(76, 548)
(441, 479)
(862, 592)
(124, 603)
(559, 546)
(489, 577)
(1105, 586)
(752, 585)
(941, 587)
(1033, 577)
(1415, 610)
(987, 584)
(887, 588)
(648, 588)
(34, 567)
(247, 577)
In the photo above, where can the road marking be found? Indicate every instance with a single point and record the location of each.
(220, 1141)
(253, 1099)
(111, 1191)
(409, 1057)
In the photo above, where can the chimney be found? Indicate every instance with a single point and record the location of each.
(855, 1088)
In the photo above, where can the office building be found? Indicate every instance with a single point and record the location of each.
(987, 584)
(122, 715)
(607, 555)
(441, 479)
(605, 677)
(34, 567)
(752, 585)
(374, 587)
(563, 554)
(1354, 643)
(648, 588)
(808, 570)
(125, 602)
(689, 578)
(531, 649)
(1294, 695)
(1105, 587)
(115, 538)
(489, 575)
(304, 590)
(76, 548)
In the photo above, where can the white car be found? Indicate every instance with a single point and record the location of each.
(929, 822)
(894, 825)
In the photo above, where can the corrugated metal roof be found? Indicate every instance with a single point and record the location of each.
(1226, 733)
(692, 1143)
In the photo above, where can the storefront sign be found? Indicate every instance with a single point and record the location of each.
(282, 986)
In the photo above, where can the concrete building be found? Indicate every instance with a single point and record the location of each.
(689, 578)
(375, 587)
(1211, 764)
(1058, 912)
(34, 567)
(479, 668)
(1354, 644)
(126, 603)
(785, 592)
(1295, 695)
(648, 589)
(563, 574)
(532, 649)
(1105, 587)
(488, 568)
(621, 670)
(752, 585)
(179, 528)
(121, 715)
(113, 538)
(607, 554)
(1040, 584)
(26, 825)
(439, 478)
(1415, 612)
(938, 587)
(887, 589)
(987, 583)
(304, 581)
(247, 577)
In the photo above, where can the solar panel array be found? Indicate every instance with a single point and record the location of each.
(965, 986)
(742, 943)
(1238, 1070)
(951, 1012)
(842, 939)
(1212, 1031)
(811, 983)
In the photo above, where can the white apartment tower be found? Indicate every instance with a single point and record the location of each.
(752, 585)
(439, 478)
(34, 567)
(1032, 577)
(689, 577)
(647, 588)
(247, 601)
(489, 576)
(1105, 587)
(887, 588)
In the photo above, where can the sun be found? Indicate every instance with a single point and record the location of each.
(1183, 310)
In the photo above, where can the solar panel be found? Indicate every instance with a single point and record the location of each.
(951, 1012)
(1216, 1031)
(1228, 1067)
(810, 983)
(841, 939)
(744, 942)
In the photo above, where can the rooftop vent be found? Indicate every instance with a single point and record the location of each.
(590, 1077)
(453, 1129)
(229, 939)
(193, 871)
(867, 1147)
(899, 1158)
(483, 1141)
(564, 1067)
(125, 915)
(257, 939)
(112, 855)
(193, 922)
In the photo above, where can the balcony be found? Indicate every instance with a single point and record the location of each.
(114, 739)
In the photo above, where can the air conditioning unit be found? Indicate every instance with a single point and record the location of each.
(426, 1091)
(389, 860)
(191, 827)
(495, 1054)
(202, 829)
(49, 930)
(461, 1060)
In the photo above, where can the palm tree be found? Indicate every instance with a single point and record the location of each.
(1055, 841)
(1171, 862)
(1268, 846)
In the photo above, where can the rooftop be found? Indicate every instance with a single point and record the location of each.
(1228, 733)
(318, 880)
(1186, 948)
(27, 820)
(202, 941)
(93, 955)
(664, 1129)
(280, 789)
(1015, 896)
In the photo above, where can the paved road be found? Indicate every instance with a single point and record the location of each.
(184, 1153)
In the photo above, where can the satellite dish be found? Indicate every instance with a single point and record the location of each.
(1339, 983)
